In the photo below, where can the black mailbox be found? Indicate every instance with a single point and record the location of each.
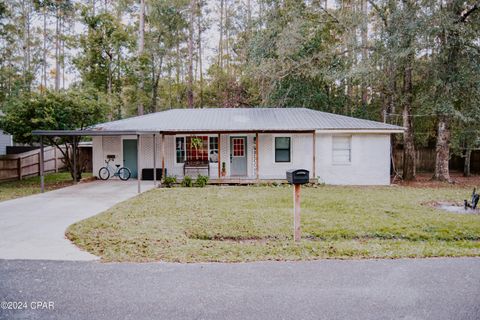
(298, 176)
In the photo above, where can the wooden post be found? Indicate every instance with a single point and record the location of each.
(219, 160)
(42, 181)
(154, 160)
(163, 156)
(74, 160)
(139, 145)
(19, 168)
(256, 157)
(39, 162)
(296, 213)
(55, 158)
(314, 161)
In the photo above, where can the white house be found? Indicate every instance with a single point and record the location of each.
(248, 144)
(5, 140)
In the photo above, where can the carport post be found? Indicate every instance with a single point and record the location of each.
(74, 160)
(154, 160)
(139, 145)
(42, 181)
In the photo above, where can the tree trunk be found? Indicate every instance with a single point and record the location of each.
(44, 58)
(156, 78)
(466, 167)
(409, 162)
(443, 150)
(26, 43)
(364, 33)
(141, 46)
(177, 61)
(190, 55)
(200, 56)
(57, 49)
(67, 153)
(62, 52)
(220, 41)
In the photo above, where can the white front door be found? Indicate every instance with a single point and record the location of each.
(238, 156)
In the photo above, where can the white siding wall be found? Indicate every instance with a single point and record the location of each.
(103, 146)
(5, 140)
(301, 155)
(370, 163)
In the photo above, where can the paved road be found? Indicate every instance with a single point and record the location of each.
(330, 289)
(34, 227)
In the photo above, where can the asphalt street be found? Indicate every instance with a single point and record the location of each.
(329, 289)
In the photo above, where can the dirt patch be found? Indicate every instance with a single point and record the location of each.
(452, 207)
(424, 180)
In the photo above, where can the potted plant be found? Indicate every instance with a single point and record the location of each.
(224, 169)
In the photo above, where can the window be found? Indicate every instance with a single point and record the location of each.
(191, 149)
(197, 148)
(213, 153)
(342, 149)
(282, 149)
(238, 147)
(180, 149)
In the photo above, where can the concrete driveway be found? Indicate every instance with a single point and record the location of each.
(34, 227)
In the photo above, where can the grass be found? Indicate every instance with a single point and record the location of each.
(21, 188)
(232, 224)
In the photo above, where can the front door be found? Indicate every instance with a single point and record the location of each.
(130, 156)
(238, 156)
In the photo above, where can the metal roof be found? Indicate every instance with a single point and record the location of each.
(242, 119)
(88, 132)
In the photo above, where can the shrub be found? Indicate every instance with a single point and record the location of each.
(169, 181)
(187, 182)
(201, 181)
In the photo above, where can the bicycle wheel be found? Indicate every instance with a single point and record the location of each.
(124, 174)
(104, 173)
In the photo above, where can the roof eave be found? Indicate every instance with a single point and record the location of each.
(58, 133)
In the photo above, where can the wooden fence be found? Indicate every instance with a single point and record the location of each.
(26, 164)
(425, 160)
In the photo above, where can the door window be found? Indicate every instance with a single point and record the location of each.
(238, 147)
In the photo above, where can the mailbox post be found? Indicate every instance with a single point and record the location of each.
(297, 177)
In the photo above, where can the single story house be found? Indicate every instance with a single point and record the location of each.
(6, 140)
(248, 144)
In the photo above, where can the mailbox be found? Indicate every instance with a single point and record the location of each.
(298, 176)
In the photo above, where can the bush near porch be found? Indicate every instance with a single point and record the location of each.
(249, 223)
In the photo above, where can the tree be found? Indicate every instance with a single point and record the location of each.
(141, 47)
(101, 60)
(455, 81)
(70, 110)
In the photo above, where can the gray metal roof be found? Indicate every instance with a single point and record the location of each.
(242, 119)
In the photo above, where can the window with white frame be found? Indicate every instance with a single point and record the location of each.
(180, 149)
(213, 149)
(282, 149)
(342, 149)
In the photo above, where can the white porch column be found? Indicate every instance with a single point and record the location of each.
(139, 145)
(154, 160)
(163, 156)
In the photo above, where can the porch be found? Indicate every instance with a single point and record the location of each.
(225, 157)
(243, 157)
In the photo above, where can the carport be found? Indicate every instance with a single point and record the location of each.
(75, 134)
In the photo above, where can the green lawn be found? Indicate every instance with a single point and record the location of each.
(255, 223)
(20, 188)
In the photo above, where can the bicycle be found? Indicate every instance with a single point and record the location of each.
(122, 172)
